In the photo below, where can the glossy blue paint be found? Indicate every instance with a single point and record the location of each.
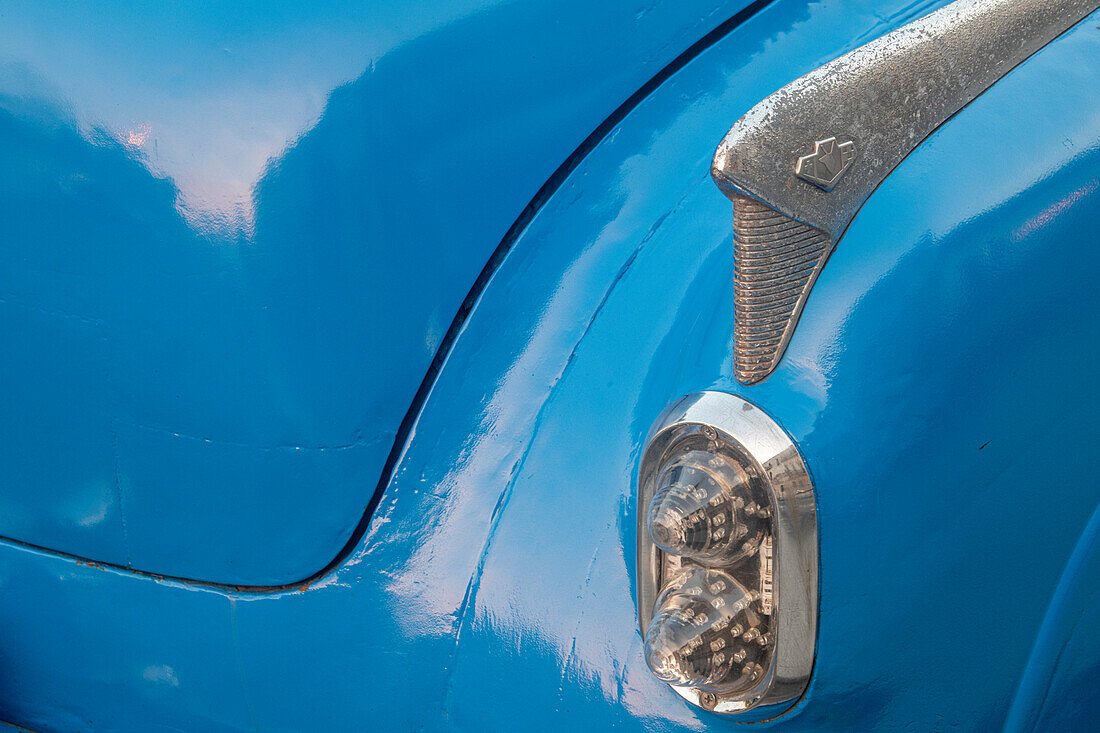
(1058, 689)
(234, 236)
(493, 590)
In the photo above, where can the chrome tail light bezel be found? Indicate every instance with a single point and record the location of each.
(771, 456)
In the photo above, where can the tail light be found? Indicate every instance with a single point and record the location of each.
(727, 556)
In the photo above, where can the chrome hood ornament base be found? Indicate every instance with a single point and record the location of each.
(799, 165)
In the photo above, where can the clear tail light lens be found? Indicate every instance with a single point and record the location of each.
(727, 556)
(708, 633)
(706, 508)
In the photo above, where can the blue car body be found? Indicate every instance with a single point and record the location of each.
(332, 335)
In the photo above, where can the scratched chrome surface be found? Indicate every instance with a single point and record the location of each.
(885, 98)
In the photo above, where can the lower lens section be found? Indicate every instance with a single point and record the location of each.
(709, 633)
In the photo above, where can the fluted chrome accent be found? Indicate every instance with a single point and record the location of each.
(775, 258)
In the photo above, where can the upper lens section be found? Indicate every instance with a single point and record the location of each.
(705, 508)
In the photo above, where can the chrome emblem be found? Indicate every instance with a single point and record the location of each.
(827, 163)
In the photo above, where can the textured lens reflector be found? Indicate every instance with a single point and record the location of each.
(705, 508)
(708, 632)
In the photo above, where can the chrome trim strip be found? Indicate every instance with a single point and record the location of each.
(879, 103)
(757, 437)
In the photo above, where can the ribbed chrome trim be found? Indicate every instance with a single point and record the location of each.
(774, 259)
(799, 165)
